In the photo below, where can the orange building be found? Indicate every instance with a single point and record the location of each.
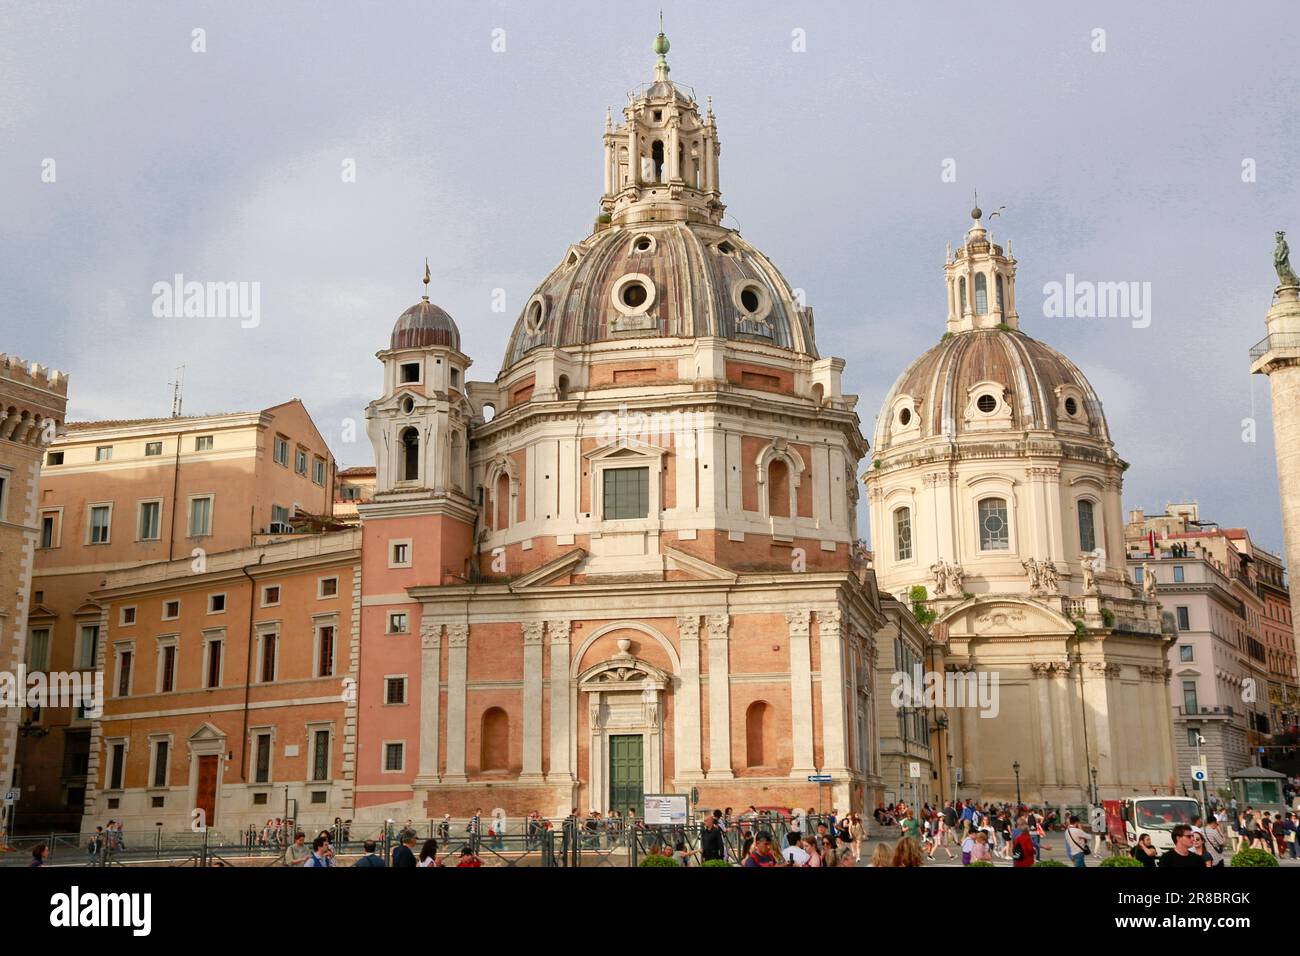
(118, 494)
(229, 687)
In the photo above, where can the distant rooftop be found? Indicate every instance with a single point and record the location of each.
(358, 471)
(138, 422)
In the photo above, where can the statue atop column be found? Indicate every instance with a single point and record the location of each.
(1286, 276)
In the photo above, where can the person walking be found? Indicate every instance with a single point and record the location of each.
(321, 853)
(428, 854)
(1144, 851)
(761, 854)
(1180, 855)
(711, 847)
(403, 854)
(371, 858)
(1076, 842)
(1023, 850)
(40, 853)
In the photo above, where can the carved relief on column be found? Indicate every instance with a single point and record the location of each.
(1047, 669)
(561, 768)
(719, 698)
(1102, 669)
(533, 632)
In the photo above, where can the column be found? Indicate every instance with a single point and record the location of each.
(801, 722)
(457, 671)
(561, 721)
(719, 698)
(674, 167)
(609, 165)
(833, 708)
(633, 155)
(532, 765)
(687, 716)
(430, 699)
(1040, 675)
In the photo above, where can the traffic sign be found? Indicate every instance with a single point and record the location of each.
(914, 768)
(1199, 774)
(819, 778)
(11, 796)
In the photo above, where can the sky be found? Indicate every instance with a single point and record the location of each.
(1160, 150)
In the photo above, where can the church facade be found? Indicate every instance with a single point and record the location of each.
(627, 564)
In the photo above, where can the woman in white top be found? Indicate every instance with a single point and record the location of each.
(429, 854)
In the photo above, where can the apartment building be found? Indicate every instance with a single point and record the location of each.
(32, 404)
(229, 687)
(353, 486)
(115, 495)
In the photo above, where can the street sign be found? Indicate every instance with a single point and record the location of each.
(914, 769)
(666, 809)
(1199, 774)
(11, 796)
(957, 771)
(819, 778)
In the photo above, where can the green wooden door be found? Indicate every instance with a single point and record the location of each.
(626, 773)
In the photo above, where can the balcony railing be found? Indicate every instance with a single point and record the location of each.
(1275, 342)
(1223, 710)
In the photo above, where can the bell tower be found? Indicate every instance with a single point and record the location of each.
(981, 282)
(661, 162)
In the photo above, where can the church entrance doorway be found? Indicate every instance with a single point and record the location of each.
(626, 772)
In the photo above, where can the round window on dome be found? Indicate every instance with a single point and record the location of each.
(634, 295)
(407, 405)
(905, 416)
(986, 404)
(749, 299)
(643, 244)
(534, 315)
(1071, 407)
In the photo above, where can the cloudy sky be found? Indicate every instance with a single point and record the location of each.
(836, 121)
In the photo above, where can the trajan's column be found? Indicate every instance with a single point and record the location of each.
(1278, 357)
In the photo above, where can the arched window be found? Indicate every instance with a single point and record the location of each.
(501, 498)
(903, 534)
(758, 734)
(999, 292)
(981, 293)
(962, 285)
(1087, 531)
(562, 388)
(778, 489)
(657, 152)
(494, 744)
(994, 535)
(410, 454)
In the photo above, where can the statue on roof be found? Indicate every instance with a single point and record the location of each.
(1282, 263)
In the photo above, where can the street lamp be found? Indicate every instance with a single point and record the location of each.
(1094, 786)
(1019, 803)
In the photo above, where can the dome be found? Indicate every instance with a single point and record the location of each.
(989, 380)
(424, 324)
(662, 280)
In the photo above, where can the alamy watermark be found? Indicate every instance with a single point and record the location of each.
(1084, 299)
(922, 688)
(35, 689)
(208, 300)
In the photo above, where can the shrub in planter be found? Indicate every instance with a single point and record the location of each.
(1121, 861)
(981, 863)
(1059, 863)
(1254, 858)
(658, 860)
(723, 863)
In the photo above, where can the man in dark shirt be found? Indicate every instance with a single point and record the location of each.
(1181, 857)
(371, 859)
(711, 840)
(403, 855)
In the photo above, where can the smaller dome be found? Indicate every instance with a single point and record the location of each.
(422, 325)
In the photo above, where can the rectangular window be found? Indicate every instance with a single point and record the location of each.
(401, 554)
(216, 603)
(320, 757)
(1193, 737)
(271, 595)
(395, 690)
(1137, 575)
(300, 462)
(128, 616)
(329, 587)
(397, 622)
(123, 673)
(203, 443)
(54, 458)
(38, 649)
(268, 658)
(50, 529)
(410, 372)
(318, 471)
(171, 610)
(281, 451)
(325, 651)
(994, 533)
(627, 493)
(262, 760)
(167, 668)
(200, 516)
(100, 522)
(903, 533)
(150, 520)
(1087, 532)
(152, 449)
(394, 755)
(1184, 652)
(1184, 618)
(160, 749)
(104, 453)
(279, 515)
(116, 767)
(214, 664)
(1178, 574)
(89, 646)
(455, 378)
(1189, 697)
